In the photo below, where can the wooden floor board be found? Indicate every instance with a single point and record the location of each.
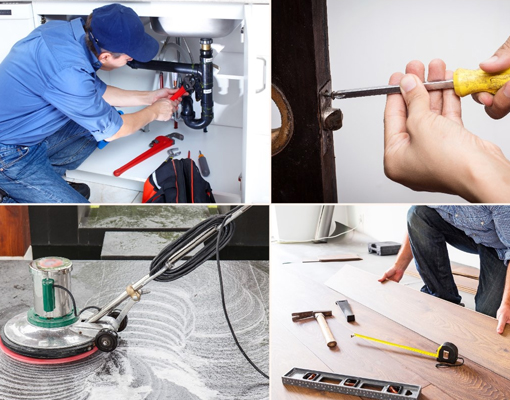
(290, 353)
(347, 357)
(473, 333)
(464, 283)
(302, 345)
(465, 270)
(432, 392)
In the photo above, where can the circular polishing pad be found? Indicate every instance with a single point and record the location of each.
(45, 361)
(25, 339)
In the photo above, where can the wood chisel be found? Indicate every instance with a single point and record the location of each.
(464, 82)
(346, 309)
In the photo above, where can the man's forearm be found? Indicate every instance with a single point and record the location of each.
(506, 292)
(503, 313)
(405, 254)
(133, 122)
(126, 98)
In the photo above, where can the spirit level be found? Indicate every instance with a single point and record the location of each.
(353, 385)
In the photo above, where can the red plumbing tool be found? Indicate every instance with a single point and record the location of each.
(179, 93)
(158, 144)
(182, 90)
(176, 95)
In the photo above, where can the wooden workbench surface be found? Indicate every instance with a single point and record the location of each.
(294, 288)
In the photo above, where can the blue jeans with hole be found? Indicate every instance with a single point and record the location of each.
(34, 174)
(428, 234)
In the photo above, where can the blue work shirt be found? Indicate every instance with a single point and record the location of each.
(48, 78)
(486, 225)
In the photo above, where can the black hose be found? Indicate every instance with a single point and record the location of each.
(200, 257)
(212, 246)
(225, 308)
(70, 295)
(89, 308)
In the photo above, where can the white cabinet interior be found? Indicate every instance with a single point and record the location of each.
(16, 22)
(237, 141)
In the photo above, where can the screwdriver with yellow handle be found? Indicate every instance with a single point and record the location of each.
(464, 82)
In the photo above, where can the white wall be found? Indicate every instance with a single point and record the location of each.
(389, 223)
(294, 222)
(371, 39)
(382, 222)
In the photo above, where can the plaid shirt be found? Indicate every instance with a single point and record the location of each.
(486, 225)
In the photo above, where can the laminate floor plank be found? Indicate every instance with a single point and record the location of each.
(432, 392)
(464, 283)
(465, 270)
(290, 348)
(298, 344)
(437, 320)
(471, 381)
(290, 351)
(292, 344)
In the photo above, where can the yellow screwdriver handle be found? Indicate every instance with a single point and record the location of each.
(468, 81)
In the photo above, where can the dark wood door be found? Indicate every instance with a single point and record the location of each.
(304, 170)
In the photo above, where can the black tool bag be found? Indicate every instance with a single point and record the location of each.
(177, 181)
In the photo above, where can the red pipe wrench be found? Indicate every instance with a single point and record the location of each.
(158, 144)
(179, 93)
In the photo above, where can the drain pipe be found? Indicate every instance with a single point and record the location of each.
(204, 70)
(167, 66)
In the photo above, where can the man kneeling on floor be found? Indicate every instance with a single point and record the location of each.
(54, 109)
(482, 230)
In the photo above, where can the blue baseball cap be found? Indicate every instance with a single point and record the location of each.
(118, 29)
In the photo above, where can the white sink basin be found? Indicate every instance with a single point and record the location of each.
(176, 26)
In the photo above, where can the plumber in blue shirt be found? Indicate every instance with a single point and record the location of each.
(482, 230)
(54, 108)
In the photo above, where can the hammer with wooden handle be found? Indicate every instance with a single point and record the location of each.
(320, 317)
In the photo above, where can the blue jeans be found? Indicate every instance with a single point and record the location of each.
(34, 174)
(428, 234)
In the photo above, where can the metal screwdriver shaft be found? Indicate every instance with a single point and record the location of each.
(390, 89)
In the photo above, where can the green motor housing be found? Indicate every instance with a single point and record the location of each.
(48, 291)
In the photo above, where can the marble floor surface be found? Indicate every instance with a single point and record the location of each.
(176, 346)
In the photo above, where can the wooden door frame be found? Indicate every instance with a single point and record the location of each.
(304, 171)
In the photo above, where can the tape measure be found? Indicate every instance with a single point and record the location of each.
(446, 353)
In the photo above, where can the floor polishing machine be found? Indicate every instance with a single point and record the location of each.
(53, 331)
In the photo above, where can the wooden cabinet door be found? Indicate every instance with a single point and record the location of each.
(14, 230)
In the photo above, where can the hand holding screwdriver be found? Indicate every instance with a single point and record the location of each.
(427, 148)
(496, 105)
